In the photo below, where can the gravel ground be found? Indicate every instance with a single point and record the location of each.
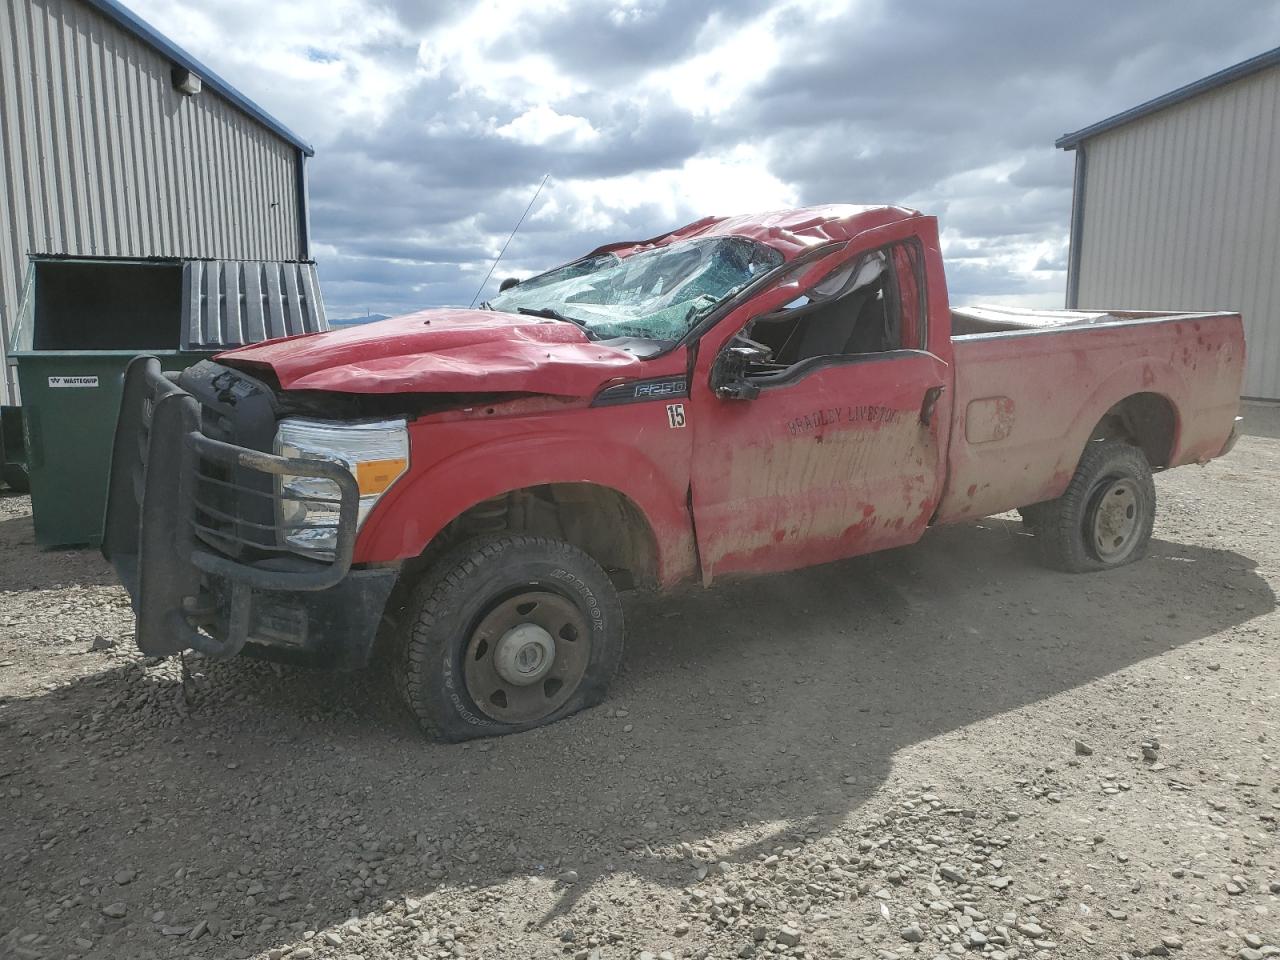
(940, 751)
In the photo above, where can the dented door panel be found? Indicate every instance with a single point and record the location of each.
(833, 465)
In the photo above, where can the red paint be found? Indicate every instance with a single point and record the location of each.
(764, 496)
(460, 458)
(444, 351)
(1059, 407)
(791, 232)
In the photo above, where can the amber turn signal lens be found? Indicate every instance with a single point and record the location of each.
(375, 476)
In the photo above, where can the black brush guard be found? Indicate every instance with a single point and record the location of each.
(164, 514)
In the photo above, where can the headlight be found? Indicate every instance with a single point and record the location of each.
(377, 454)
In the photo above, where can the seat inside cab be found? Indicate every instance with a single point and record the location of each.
(847, 313)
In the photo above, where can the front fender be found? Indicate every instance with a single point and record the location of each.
(417, 508)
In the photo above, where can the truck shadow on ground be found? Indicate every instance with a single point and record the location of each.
(23, 566)
(281, 800)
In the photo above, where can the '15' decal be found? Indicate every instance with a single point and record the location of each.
(675, 415)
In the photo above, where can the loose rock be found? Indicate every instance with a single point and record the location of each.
(788, 936)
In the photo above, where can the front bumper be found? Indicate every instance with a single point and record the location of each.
(201, 575)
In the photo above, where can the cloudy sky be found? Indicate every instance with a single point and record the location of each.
(434, 120)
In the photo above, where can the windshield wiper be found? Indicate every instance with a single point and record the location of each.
(551, 314)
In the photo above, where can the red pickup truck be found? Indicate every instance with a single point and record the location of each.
(751, 394)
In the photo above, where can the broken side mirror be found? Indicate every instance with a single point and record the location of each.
(730, 377)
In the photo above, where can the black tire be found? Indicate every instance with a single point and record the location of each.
(1073, 531)
(446, 619)
(1032, 515)
(17, 479)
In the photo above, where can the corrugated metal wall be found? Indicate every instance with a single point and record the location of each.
(1182, 211)
(102, 156)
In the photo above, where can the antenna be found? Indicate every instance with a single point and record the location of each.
(485, 281)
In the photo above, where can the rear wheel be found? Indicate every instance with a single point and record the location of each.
(1105, 517)
(1031, 515)
(506, 634)
(16, 478)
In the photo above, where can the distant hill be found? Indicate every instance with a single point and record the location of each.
(355, 321)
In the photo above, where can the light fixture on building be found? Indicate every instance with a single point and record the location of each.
(185, 82)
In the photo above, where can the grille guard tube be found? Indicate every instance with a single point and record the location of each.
(151, 521)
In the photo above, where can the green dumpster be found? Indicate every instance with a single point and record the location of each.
(70, 402)
(83, 320)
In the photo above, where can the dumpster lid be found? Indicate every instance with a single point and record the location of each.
(230, 303)
(220, 303)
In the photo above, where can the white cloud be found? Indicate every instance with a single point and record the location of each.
(434, 121)
(719, 184)
(316, 67)
(716, 80)
(542, 125)
(464, 49)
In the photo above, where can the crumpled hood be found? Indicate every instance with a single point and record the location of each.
(443, 351)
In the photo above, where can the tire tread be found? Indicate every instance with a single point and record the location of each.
(439, 588)
(1058, 522)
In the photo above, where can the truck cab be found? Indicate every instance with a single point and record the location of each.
(470, 489)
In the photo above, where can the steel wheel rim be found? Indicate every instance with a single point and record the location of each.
(1116, 520)
(505, 665)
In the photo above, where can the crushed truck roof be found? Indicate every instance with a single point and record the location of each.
(791, 232)
(451, 350)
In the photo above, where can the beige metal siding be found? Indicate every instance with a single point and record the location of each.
(102, 156)
(1182, 211)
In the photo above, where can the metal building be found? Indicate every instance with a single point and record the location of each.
(116, 142)
(1177, 206)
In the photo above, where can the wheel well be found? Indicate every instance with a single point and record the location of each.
(1146, 420)
(600, 521)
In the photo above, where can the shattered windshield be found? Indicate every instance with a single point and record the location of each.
(658, 294)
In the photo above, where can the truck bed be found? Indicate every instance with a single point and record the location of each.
(970, 321)
(1032, 388)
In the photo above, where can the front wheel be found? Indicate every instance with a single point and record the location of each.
(506, 634)
(1105, 517)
